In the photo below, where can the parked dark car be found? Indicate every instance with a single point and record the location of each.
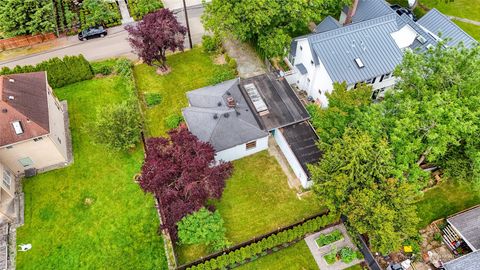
(401, 10)
(92, 32)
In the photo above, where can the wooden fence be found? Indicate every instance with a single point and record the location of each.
(24, 41)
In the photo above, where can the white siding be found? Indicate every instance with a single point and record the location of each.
(321, 85)
(291, 158)
(240, 151)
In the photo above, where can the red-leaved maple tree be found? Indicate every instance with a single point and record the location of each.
(182, 173)
(154, 35)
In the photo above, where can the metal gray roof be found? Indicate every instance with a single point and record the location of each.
(417, 45)
(329, 23)
(368, 40)
(441, 25)
(370, 9)
(211, 120)
(470, 261)
(467, 223)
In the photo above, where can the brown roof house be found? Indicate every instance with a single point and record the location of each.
(33, 124)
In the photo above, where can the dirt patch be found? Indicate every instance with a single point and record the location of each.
(248, 62)
(219, 59)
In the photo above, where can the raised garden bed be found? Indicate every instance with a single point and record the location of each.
(346, 255)
(325, 239)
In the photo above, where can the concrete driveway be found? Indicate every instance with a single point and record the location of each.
(113, 45)
(178, 4)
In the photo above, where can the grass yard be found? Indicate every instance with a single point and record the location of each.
(296, 257)
(190, 70)
(447, 198)
(257, 200)
(90, 215)
(471, 29)
(469, 9)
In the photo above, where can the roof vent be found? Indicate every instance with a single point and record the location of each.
(237, 113)
(226, 115)
(215, 116)
(421, 39)
(228, 93)
(11, 80)
(359, 63)
(231, 102)
(11, 97)
(4, 110)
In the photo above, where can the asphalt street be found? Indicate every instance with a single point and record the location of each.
(114, 44)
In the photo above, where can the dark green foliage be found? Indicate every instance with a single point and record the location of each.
(221, 75)
(331, 257)
(60, 72)
(273, 242)
(118, 126)
(152, 99)
(211, 44)
(26, 17)
(325, 239)
(202, 227)
(99, 12)
(103, 67)
(173, 121)
(139, 8)
(347, 255)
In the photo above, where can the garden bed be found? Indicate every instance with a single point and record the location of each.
(345, 254)
(326, 239)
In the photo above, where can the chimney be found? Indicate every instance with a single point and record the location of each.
(351, 12)
(231, 102)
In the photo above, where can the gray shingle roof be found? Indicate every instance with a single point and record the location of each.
(329, 23)
(470, 261)
(370, 9)
(368, 40)
(211, 120)
(437, 23)
(468, 225)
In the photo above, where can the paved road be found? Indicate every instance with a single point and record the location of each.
(114, 44)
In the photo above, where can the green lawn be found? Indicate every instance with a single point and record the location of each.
(445, 199)
(90, 215)
(296, 257)
(190, 70)
(469, 9)
(471, 29)
(257, 200)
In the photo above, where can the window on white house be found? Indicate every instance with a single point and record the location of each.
(38, 139)
(251, 145)
(381, 78)
(26, 161)
(388, 75)
(7, 178)
(311, 62)
(369, 81)
(301, 48)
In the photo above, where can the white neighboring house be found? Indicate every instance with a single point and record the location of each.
(220, 115)
(366, 50)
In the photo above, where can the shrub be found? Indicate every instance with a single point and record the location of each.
(152, 99)
(123, 67)
(347, 255)
(173, 121)
(202, 227)
(221, 75)
(331, 257)
(139, 8)
(118, 126)
(232, 63)
(211, 44)
(325, 239)
(103, 67)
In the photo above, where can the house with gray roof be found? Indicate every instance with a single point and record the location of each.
(366, 50)
(238, 116)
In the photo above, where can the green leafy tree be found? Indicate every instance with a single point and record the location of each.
(98, 12)
(356, 178)
(259, 21)
(25, 17)
(344, 107)
(118, 125)
(202, 227)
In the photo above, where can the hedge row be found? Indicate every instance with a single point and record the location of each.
(60, 72)
(268, 244)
